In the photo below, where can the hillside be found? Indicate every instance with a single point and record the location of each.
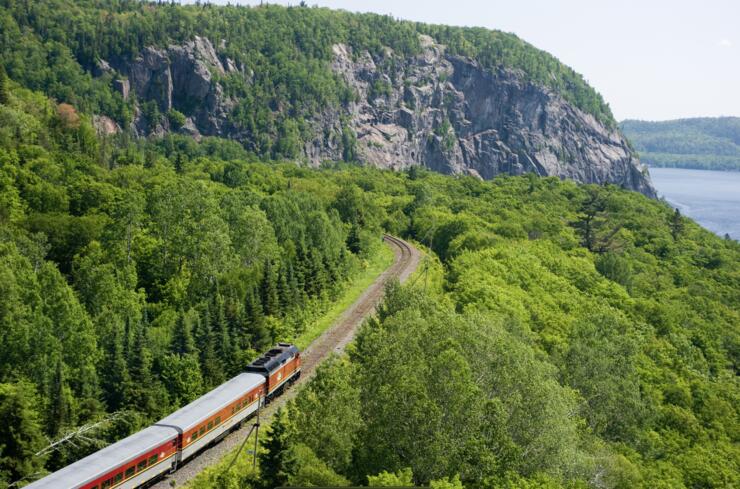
(315, 84)
(563, 335)
(705, 143)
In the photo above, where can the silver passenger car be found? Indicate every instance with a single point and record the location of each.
(115, 459)
(211, 416)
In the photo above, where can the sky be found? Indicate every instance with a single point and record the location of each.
(650, 59)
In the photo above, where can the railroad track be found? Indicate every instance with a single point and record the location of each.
(333, 340)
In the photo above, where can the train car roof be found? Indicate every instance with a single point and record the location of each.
(106, 460)
(211, 403)
(273, 358)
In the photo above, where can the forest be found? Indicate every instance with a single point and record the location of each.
(703, 143)
(559, 335)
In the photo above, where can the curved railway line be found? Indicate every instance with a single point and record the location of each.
(334, 339)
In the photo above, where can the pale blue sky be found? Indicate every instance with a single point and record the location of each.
(650, 59)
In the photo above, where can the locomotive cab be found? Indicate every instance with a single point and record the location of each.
(280, 366)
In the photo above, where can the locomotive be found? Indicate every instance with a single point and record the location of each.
(163, 446)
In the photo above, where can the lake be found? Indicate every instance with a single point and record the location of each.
(711, 198)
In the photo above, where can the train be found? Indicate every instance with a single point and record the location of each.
(162, 447)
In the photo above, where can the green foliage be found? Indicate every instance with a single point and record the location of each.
(701, 143)
(4, 89)
(571, 334)
(277, 461)
(582, 333)
(312, 471)
(137, 287)
(20, 432)
(176, 118)
(401, 478)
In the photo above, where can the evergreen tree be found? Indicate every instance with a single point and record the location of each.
(676, 224)
(211, 366)
(277, 463)
(4, 89)
(317, 278)
(144, 393)
(354, 242)
(269, 290)
(224, 346)
(254, 325)
(115, 375)
(60, 408)
(182, 338)
(598, 233)
(285, 294)
(20, 432)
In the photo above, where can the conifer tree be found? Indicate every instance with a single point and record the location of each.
(277, 462)
(144, 393)
(210, 364)
(284, 291)
(4, 89)
(59, 409)
(223, 344)
(676, 224)
(115, 371)
(182, 338)
(20, 432)
(317, 278)
(269, 290)
(255, 329)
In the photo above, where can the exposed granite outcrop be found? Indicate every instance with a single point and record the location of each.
(180, 78)
(437, 110)
(451, 115)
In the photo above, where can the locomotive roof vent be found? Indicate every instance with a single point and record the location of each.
(273, 358)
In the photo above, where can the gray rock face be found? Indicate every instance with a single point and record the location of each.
(433, 109)
(450, 115)
(181, 78)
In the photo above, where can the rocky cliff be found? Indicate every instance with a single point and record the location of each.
(433, 109)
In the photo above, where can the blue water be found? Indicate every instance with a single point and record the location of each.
(711, 198)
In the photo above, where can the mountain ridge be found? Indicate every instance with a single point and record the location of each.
(269, 77)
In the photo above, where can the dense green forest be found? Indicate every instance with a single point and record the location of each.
(705, 143)
(567, 336)
(558, 336)
(574, 336)
(561, 336)
(54, 46)
(136, 289)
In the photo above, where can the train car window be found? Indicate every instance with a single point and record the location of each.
(210, 425)
(153, 459)
(201, 431)
(118, 477)
(94, 487)
(194, 436)
(130, 471)
(218, 420)
(105, 485)
(141, 466)
(238, 405)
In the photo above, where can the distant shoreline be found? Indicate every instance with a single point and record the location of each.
(690, 167)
